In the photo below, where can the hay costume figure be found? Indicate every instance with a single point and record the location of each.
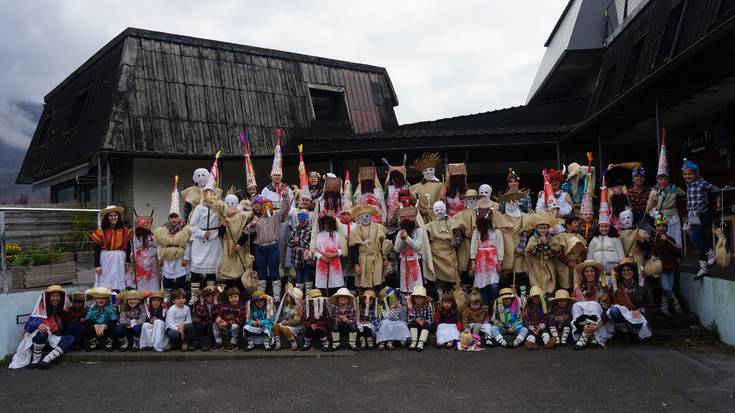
(373, 247)
(74, 318)
(329, 246)
(430, 189)
(342, 309)
(507, 319)
(174, 248)
(559, 317)
(259, 315)
(513, 224)
(153, 333)
(665, 249)
(664, 195)
(590, 326)
(393, 326)
(179, 327)
(368, 318)
(43, 332)
(535, 315)
(486, 191)
(230, 318)
(206, 247)
(632, 237)
(395, 183)
(410, 245)
(101, 319)
(448, 321)
(316, 320)
(111, 249)
(476, 317)
(561, 198)
(289, 318)
(145, 255)
(632, 302)
(206, 311)
(486, 254)
(369, 192)
(541, 249)
(444, 236)
(466, 219)
(130, 321)
(299, 241)
(699, 215)
(605, 246)
(194, 194)
(456, 187)
(573, 251)
(235, 261)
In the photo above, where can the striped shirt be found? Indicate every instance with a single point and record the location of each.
(266, 228)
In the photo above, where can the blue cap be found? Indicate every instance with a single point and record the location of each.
(639, 171)
(302, 216)
(689, 164)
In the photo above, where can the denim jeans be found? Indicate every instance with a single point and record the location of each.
(267, 260)
(698, 235)
(521, 332)
(65, 342)
(125, 331)
(489, 293)
(304, 275)
(667, 283)
(617, 317)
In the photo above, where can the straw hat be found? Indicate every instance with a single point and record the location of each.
(472, 194)
(369, 294)
(485, 204)
(258, 295)
(156, 294)
(579, 268)
(511, 195)
(536, 291)
(111, 208)
(342, 292)
(295, 293)
(363, 209)
(99, 292)
(626, 261)
(131, 295)
(576, 246)
(561, 295)
(54, 289)
(506, 293)
(427, 160)
(314, 293)
(418, 291)
(544, 218)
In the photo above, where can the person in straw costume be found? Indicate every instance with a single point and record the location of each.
(130, 322)
(153, 333)
(235, 261)
(466, 219)
(194, 194)
(514, 186)
(430, 189)
(393, 328)
(174, 248)
(512, 223)
(559, 318)
(663, 197)
(541, 249)
(111, 249)
(342, 309)
(573, 251)
(289, 318)
(369, 192)
(632, 237)
(373, 247)
(486, 191)
(395, 183)
(444, 236)
(590, 324)
(316, 320)
(368, 318)
(43, 331)
(259, 317)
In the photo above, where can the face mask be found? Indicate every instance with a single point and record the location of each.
(365, 219)
(429, 174)
(626, 219)
(471, 203)
(440, 210)
(511, 208)
(231, 201)
(485, 191)
(201, 176)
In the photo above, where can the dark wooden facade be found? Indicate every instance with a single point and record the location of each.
(155, 94)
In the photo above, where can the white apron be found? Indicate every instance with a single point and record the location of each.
(22, 356)
(590, 308)
(328, 274)
(641, 322)
(446, 333)
(154, 335)
(113, 276)
(486, 262)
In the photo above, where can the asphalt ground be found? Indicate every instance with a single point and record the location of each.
(623, 378)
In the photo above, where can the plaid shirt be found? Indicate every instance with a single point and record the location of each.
(232, 313)
(697, 195)
(298, 248)
(524, 204)
(204, 315)
(638, 200)
(426, 312)
(340, 310)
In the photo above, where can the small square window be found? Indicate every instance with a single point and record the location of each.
(76, 111)
(329, 105)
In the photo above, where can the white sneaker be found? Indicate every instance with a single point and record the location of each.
(711, 257)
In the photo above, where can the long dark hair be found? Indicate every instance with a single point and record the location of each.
(396, 179)
(408, 225)
(484, 225)
(613, 233)
(457, 185)
(106, 221)
(368, 186)
(332, 201)
(143, 234)
(327, 223)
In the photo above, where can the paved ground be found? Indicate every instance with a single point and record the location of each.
(650, 378)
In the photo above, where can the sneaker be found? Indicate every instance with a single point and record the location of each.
(390, 346)
(267, 346)
(231, 347)
(184, 346)
(530, 345)
(420, 346)
(193, 346)
(711, 257)
(207, 346)
(489, 342)
(449, 344)
(109, 345)
(294, 346)
(250, 346)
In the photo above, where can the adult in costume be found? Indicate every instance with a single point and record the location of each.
(193, 195)
(369, 192)
(663, 196)
(444, 236)
(111, 249)
(456, 188)
(274, 193)
(430, 189)
(514, 185)
(632, 302)
(541, 250)
(632, 237)
(410, 245)
(590, 324)
(562, 198)
(373, 247)
(515, 237)
(395, 182)
(234, 262)
(466, 219)
(174, 248)
(486, 192)
(329, 246)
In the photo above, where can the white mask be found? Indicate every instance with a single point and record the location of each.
(365, 219)
(429, 174)
(471, 203)
(485, 191)
(440, 210)
(626, 219)
(201, 176)
(231, 201)
(511, 208)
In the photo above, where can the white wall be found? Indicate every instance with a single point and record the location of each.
(712, 299)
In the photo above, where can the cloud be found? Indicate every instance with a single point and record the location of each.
(444, 59)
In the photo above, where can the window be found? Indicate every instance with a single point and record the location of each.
(632, 69)
(329, 105)
(667, 45)
(77, 109)
(606, 91)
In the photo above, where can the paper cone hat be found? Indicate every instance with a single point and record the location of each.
(277, 168)
(347, 193)
(175, 198)
(213, 181)
(663, 158)
(549, 198)
(249, 170)
(604, 204)
(303, 178)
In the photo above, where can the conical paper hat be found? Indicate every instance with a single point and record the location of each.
(175, 198)
(549, 198)
(303, 178)
(604, 204)
(663, 158)
(277, 168)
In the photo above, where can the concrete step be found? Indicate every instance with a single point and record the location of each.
(101, 356)
(683, 321)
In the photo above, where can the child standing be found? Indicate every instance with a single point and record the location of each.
(541, 248)
(316, 321)
(173, 252)
(560, 317)
(259, 315)
(329, 245)
(299, 241)
(486, 254)
(605, 246)
(230, 318)
(664, 248)
(289, 317)
(206, 311)
(344, 321)
(699, 215)
(393, 327)
(534, 318)
(179, 328)
(130, 323)
(476, 316)
(153, 333)
(145, 261)
(101, 319)
(447, 320)
(368, 320)
(507, 319)
(420, 318)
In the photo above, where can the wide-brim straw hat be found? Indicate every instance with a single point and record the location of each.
(54, 289)
(156, 294)
(536, 291)
(511, 195)
(99, 292)
(363, 209)
(471, 194)
(544, 218)
(579, 268)
(369, 294)
(294, 292)
(576, 246)
(131, 295)
(418, 291)
(626, 261)
(561, 295)
(259, 295)
(314, 293)
(111, 208)
(506, 293)
(342, 292)
(427, 160)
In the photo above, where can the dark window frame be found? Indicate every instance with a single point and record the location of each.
(77, 110)
(632, 70)
(328, 105)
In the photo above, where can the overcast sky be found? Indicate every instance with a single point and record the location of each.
(444, 58)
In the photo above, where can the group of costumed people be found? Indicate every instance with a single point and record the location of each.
(385, 266)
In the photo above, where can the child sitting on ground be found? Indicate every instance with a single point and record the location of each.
(289, 318)
(153, 333)
(74, 318)
(447, 318)
(393, 327)
(368, 320)
(560, 317)
(179, 329)
(101, 319)
(316, 320)
(230, 318)
(507, 319)
(534, 316)
(476, 316)
(206, 311)
(259, 314)
(130, 322)
(342, 305)
(420, 318)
